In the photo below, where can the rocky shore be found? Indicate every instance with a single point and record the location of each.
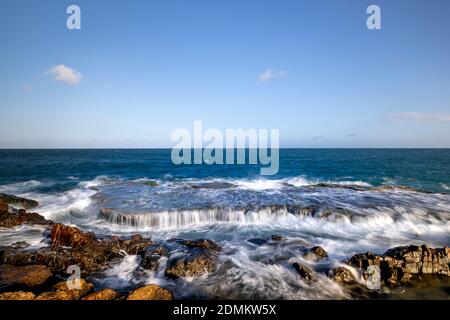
(40, 274)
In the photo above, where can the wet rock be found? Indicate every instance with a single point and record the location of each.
(18, 201)
(3, 206)
(71, 246)
(20, 245)
(150, 292)
(342, 275)
(276, 238)
(258, 241)
(316, 253)
(192, 264)
(105, 294)
(55, 295)
(29, 276)
(70, 236)
(303, 271)
(19, 295)
(402, 264)
(202, 244)
(12, 219)
(82, 288)
(152, 256)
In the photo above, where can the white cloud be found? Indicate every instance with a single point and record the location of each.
(420, 116)
(269, 74)
(65, 74)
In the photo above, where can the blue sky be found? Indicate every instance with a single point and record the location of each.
(140, 69)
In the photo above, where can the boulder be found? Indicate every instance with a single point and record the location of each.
(12, 219)
(191, 265)
(316, 253)
(29, 276)
(70, 236)
(105, 294)
(55, 295)
(150, 292)
(18, 201)
(342, 275)
(402, 264)
(19, 295)
(84, 287)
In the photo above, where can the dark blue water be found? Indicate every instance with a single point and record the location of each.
(425, 169)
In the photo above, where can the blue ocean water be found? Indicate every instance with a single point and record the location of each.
(426, 169)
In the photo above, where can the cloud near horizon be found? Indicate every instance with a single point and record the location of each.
(420, 116)
(269, 74)
(65, 74)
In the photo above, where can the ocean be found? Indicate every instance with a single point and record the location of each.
(346, 200)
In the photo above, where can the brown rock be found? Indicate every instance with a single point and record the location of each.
(316, 253)
(343, 275)
(150, 292)
(202, 244)
(55, 295)
(18, 201)
(191, 265)
(30, 276)
(3, 206)
(105, 294)
(84, 287)
(303, 271)
(19, 295)
(70, 236)
(12, 219)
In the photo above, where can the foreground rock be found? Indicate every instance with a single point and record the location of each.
(343, 275)
(12, 219)
(71, 246)
(82, 289)
(105, 294)
(200, 257)
(150, 292)
(403, 264)
(18, 201)
(19, 295)
(304, 272)
(29, 276)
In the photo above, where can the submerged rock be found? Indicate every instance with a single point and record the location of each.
(18, 201)
(303, 271)
(29, 276)
(105, 294)
(150, 292)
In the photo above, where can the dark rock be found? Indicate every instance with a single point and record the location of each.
(12, 219)
(18, 201)
(29, 276)
(276, 238)
(192, 264)
(402, 264)
(258, 241)
(202, 244)
(303, 271)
